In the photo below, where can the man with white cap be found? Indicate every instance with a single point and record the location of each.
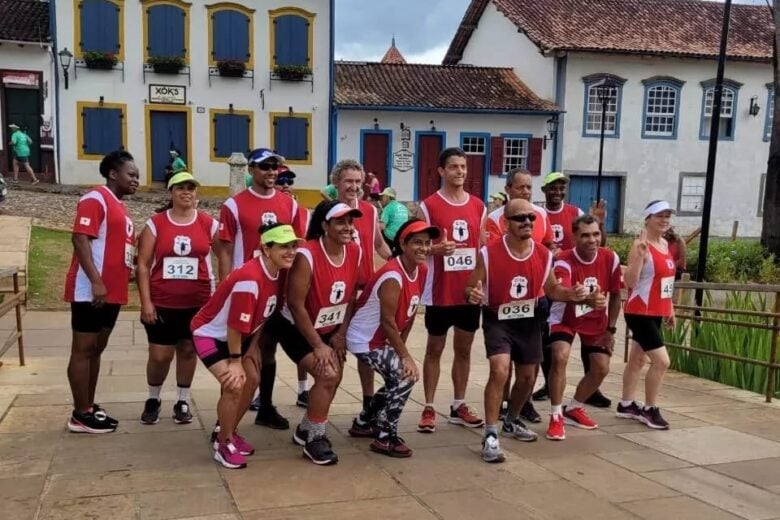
(20, 144)
(393, 216)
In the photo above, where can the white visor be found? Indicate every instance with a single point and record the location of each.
(657, 207)
(341, 209)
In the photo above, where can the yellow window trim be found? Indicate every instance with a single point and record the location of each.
(213, 130)
(297, 11)
(148, 109)
(80, 106)
(78, 54)
(211, 9)
(184, 6)
(303, 115)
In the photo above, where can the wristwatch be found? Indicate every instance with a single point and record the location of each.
(612, 330)
(235, 356)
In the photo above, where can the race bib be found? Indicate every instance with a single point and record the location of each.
(516, 310)
(462, 259)
(667, 287)
(180, 268)
(129, 255)
(256, 253)
(581, 309)
(329, 316)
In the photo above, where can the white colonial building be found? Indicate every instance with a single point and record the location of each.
(206, 78)
(662, 56)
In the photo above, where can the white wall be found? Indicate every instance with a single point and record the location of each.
(278, 96)
(350, 122)
(653, 166)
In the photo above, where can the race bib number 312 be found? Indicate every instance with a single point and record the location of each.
(462, 259)
(180, 268)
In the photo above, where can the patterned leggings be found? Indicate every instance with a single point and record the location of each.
(389, 401)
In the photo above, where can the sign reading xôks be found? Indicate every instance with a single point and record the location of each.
(168, 94)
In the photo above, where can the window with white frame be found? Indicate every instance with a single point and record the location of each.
(474, 145)
(661, 111)
(726, 127)
(594, 108)
(515, 153)
(691, 197)
(761, 194)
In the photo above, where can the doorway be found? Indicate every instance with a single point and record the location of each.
(582, 193)
(429, 146)
(168, 130)
(23, 107)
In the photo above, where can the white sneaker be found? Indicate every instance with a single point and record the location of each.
(491, 451)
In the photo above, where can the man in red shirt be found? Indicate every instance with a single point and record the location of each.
(96, 284)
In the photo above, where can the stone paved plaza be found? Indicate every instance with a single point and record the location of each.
(720, 460)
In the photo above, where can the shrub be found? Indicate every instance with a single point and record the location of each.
(621, 244)
(733, 262)
(100, 60)
(231, 68)
(166, 64)
(292, 72)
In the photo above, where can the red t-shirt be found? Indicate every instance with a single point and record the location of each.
(560, 222)
(301, 222)
(652, 295)
(542, 231)
(603, 272)
(365, 330)
(332, 286)
(242, 214)
(243, 301)
(104, 219)
(365, 234)
(182, 276)
(447, 275)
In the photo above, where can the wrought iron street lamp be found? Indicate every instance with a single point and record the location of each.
(606, 91)
(65, 58)
(552, 131)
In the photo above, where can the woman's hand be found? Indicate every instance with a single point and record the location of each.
(325, 360)
(233, 378)
(409, 368)
(339, 344)
(148, 313)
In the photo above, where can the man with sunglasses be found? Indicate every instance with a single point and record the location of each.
(508, 279)
(238, 241)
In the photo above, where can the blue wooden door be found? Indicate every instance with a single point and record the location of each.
(169, 131)
(582, 192)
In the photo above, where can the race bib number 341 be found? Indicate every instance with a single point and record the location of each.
(516, 310)
(329, 316)
(462, 259)
(180, 268)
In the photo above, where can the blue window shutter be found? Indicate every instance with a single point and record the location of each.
(91, 130)
(222, 144)
(102, 130)
(231, 134)
(112, 129)
(281, 138)
(231, 36)
(166, 30)
(291, 135)
(291, 44)
(99, 26)
(239, 36)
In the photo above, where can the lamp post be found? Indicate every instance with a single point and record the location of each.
(65, 58)
(552, 130)
(605, 90)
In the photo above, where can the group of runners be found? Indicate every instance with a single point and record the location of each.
(534, 277)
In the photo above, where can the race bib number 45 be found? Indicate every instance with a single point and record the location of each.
(329, 316)
(667, 287)
(180, 268)
(516, 310)
(462, 259)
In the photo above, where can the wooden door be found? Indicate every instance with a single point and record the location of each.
(582, 193)
(376, 154)
(23, 107)
(169, 131)
(429, 146)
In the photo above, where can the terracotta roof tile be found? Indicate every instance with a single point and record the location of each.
(684, 28)
(434, 86)
(24, 20)
(393, 55)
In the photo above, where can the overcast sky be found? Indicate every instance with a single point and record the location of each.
(423, 28)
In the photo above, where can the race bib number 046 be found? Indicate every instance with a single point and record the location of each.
(516, 310)
(329, 316)
(667, 287)
(462, 259)
(180, 268)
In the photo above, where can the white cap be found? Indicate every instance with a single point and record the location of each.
(657, 207)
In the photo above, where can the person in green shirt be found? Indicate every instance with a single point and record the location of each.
(177, 163)
(20, 144)
(329, 192)
(394, 214)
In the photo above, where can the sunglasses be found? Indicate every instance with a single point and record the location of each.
(522, 217)
(266, 166)
(285, 182)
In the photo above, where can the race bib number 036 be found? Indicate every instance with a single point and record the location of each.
(180, 268)
(516, 310)
(329, 316)
(462, 259)
(667, 287)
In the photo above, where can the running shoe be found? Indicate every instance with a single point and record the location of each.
(599, 400)
(270, 417)
(579, 417)
(89, 423)
(392, 446)
(228, 455)
(556, 430)
(363, 430)
(517, 430)
(320, 451)
(300, 436)
(181, 413)
(36, 181)
(214, 434)
(151, 413)
(244, 448)
(255, 404)
(503, 410)
(491, 451)
(303, 399)
(542, 394)
(97, 409)
(631, 411)
(465, 417)
(427, 422)
(651, 416)
(529, 413)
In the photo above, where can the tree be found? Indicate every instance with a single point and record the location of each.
(770, 232)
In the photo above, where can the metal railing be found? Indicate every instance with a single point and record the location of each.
(13, 300)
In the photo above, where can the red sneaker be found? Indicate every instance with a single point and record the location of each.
(465, 417)
(555, 430)
(427, 422)
(579, 418)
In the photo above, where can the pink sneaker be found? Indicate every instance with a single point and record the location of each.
(228, 455)
(244, 448)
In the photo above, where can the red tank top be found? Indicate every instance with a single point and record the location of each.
(182, 275)
(560, 222)
(447, 275)
(513, 284)
(365, 234)
(652, 295)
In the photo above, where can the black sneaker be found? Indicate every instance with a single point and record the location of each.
(303, 399)
(300, 436)
(651, 416)
(529, 413)
(97, 409)
(255, 404)
(542, 394)
(320, 451)
(181, 413)
(599, 400)
(503, 410)
(363, 429)
(631, 411)
(270, 417)
(89, 423)
(151, 413)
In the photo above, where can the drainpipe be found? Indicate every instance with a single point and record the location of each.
(56, 90)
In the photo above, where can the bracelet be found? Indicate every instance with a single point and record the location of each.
(235, 356)
(612, 330)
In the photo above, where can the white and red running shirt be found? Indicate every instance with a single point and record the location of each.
(242, 215)
(332, 286)
(512, 284)
(542, 231)
(365, 234)
(243, 301)
(652, 295)
(301, 223)
(104, 219)
(182, 276)
(365, 330)
(560, 222)
(602, 273)
(447, 275)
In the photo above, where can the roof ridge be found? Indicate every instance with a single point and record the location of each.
(439, 65)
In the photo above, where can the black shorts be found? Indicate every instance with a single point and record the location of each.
(585, 350)
(171, 327)
(521, 338)
(439, 319)
(645, 330)
(86, 318)
(212, 350)
(292, 341)
(21, 160)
